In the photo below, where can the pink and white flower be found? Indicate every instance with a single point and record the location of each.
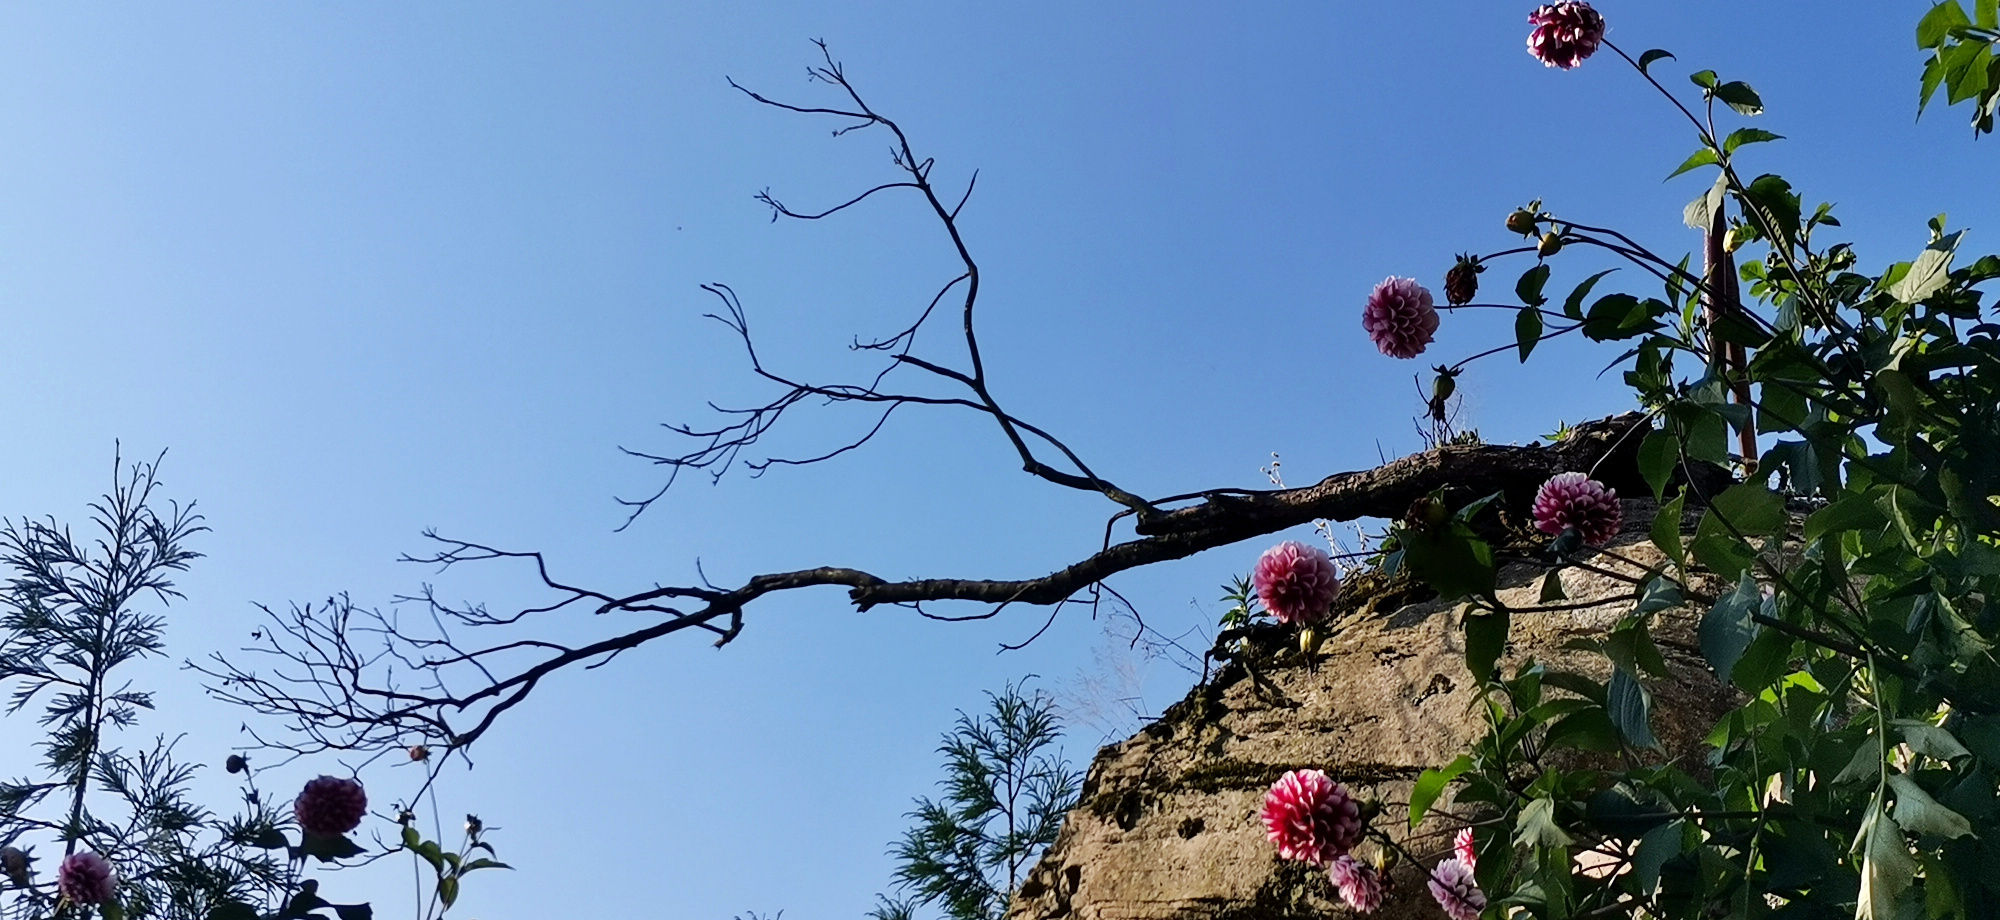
(1456, 891)
(1311, 818)
(1462, 845)
(1400, 317)
(1575, 500)
(1296, 582)
(86, 878)
(330, 806)
(1565, 33)
(1360, 886)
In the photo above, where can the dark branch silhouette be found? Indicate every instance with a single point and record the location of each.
(355, 679)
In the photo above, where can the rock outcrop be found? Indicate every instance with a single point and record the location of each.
(1167, 827)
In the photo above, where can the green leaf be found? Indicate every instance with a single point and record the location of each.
(270, 838)
(1742, 136)
(1585, 730)
(1658, 454)
(1661, 593)
(1536, 826)
(1773, 196)
(111, 910)
(1529, 287)
(1527, 330)
(1485, 640)
(447, 890)
(1703, 78)
(1646, 60)
(1887, 868)
(328, 849)
(1727, 629)
(354, 912)
(1718, 549)
(1929, 273)
(1931, 741)
(1854, 512)
(1936, 26)
(1667, 531)
(1621, 316)
(1659, 845)
(1552, 587)
(1617, 813)
(1700, 213)
(1739, 96)
(1430, 784)
(1630, 708)
(1917, 811)
(233, 910)
(483, 863)
(1573, 305)
(1986, 14)
(1452, 560)
(1751, 508)
(1696, 160)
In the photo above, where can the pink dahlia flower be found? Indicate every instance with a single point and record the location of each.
(1311, 818)
(1576, 500)
(86, 878)
(1462, 845)
(330, 806)
(1565, 33)
(1456, 891)
(1400, 317)
(1295, 582)
(1359, 885)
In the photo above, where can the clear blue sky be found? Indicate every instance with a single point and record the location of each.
(368, 268)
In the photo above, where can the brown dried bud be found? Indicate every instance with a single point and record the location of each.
(1461, 284)
(14, 861)
(419, 752)
(473, 825)
(405, 817)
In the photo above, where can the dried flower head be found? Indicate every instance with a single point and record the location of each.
(1358, 882)
(1311, 818)
(1565, 33)
(14, 861)
(86, 878)
(1400, 317)
(330, 806)
(1575, 500)
(1296, 582)
(1453, 886)
(1461, 284)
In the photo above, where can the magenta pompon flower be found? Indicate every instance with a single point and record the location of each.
(1576, 500)
(1358, 882)
(1462, 845)
(86, 878)
(1565, 33)
(1455, 890)
(330, 806)
(1311, 818)
(1400, 317)
(1296, 582)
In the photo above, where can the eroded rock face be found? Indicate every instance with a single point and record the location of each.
(1168, 824)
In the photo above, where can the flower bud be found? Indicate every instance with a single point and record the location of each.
(473, 825)
(1522, 222)
(236, 763)
(1461, 284)
(419, 752)
(1551, 244)
(14, 861)
(1309, 640)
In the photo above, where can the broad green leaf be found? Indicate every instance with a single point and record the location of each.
(1485, 640)
(232, 910)
(1431, 784)
(1703, 78)
(1646, 60)
(1529, 287)
(1696, 160)
(1452, 561)
(1887, 869)
(1527, 330)
(1931, 741)
(1700, 213)
(447, 890)
(1853, 512)
(1929, 273)
(1917, 811)
(1659, 845)
(1667, 530)
(354, 912)
(1751, 508)
(1986, 14)
(1661, 593)
(1552, 587)
(1739, 96)
(1742, 136)
(1936, 26)
(1718, 549)
(1630, 708)
(1585, 730)
(1658, 454)
(1536, 826)
(1727, 629)
(1617, 813)
(1573, 305)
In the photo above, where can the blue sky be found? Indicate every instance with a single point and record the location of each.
(369, 268)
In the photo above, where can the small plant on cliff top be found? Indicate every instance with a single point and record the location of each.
(1006, 791)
